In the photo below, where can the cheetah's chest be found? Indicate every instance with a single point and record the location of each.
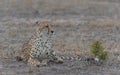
(41, 47)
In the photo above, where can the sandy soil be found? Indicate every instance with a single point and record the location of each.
(77, 24)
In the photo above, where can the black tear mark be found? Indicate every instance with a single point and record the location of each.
(47, 53)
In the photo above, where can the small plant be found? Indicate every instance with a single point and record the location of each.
(98, 51)
(103, 55)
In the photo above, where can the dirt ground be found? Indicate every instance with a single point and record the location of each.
(77, 24)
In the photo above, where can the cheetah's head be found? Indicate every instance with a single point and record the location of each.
(46, 28)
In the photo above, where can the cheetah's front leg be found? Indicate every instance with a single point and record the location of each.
(59, 60)
(34, 62)
(44, 62)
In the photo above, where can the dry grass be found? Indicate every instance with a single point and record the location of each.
(104, 22)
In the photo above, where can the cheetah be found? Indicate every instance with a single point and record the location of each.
(38, 50)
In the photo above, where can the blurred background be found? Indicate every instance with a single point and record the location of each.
(60, 9)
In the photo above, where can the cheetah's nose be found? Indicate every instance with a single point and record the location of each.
(52, 31)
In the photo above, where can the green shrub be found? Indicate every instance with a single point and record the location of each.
(103, 55)
(98, 51)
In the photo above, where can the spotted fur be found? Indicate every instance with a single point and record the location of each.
(38, 50)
